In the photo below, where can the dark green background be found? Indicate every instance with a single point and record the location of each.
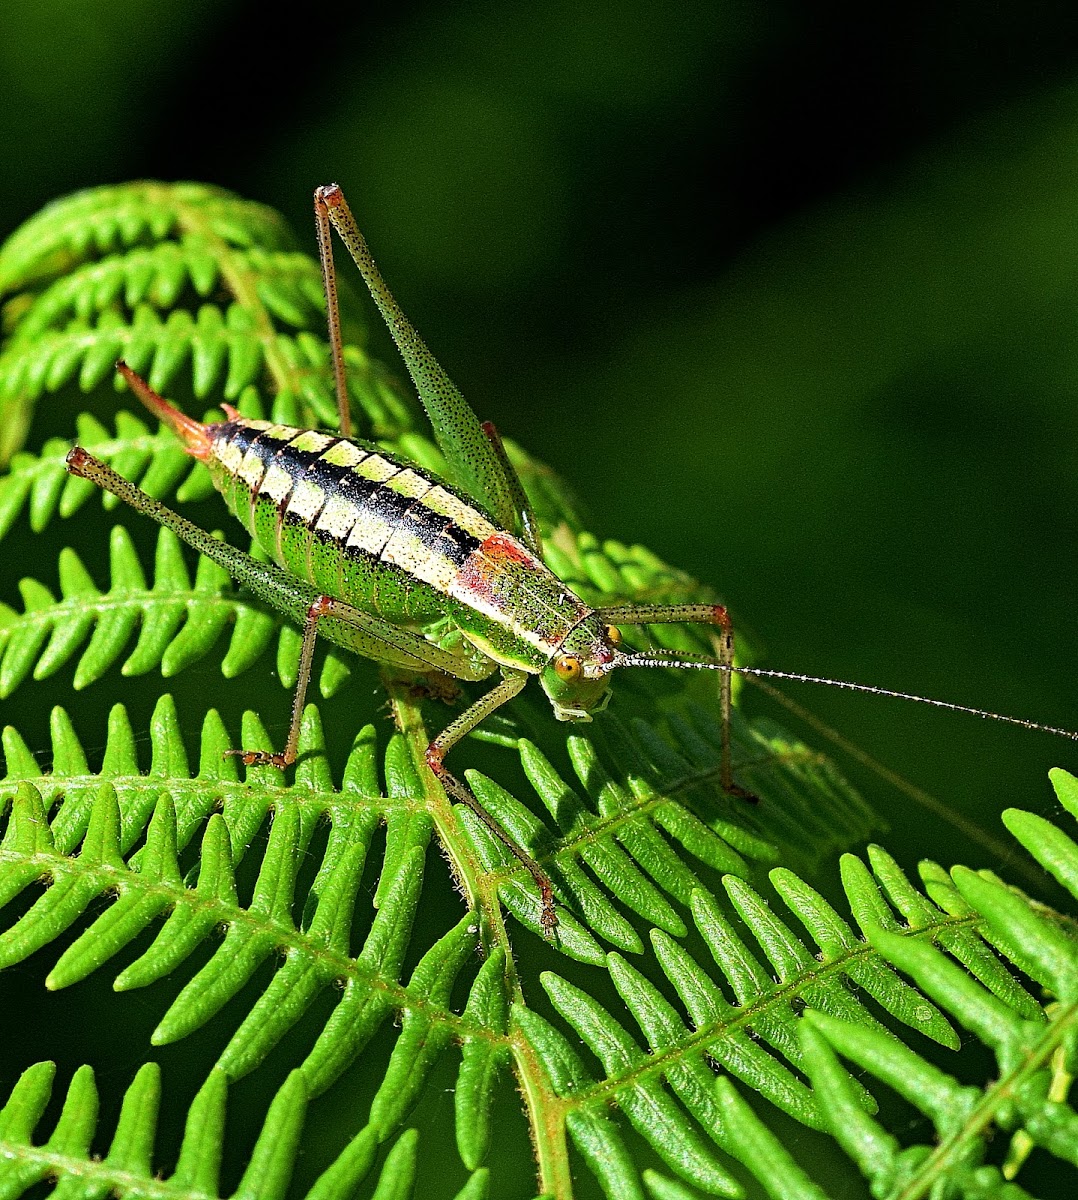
(788, 292)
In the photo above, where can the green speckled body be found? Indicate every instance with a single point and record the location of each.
(388, 538)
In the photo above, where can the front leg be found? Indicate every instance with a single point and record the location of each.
(696, 614)
(510, 686)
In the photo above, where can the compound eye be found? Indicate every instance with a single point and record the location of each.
(568, 667)
(613, 635)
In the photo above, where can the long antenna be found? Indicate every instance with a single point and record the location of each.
(656, 659)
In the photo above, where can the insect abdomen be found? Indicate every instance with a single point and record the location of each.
(346, 517)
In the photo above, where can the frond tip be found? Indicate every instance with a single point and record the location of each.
(178, 621)
(1032, 1051)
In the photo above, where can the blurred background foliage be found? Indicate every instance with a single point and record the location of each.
(788, 292)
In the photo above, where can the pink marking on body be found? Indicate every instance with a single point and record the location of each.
(233, 414)
(478, 577)
(475, 579)
(195, 436)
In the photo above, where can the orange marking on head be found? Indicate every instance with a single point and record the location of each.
(233, 414)
(500, 547)
(194, 435)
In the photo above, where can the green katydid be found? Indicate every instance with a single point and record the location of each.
(377, 554)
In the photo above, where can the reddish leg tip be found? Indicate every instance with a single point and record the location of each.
(320, 607)
(740, 793)
(329, 194)
(257, 758)
(548, 915)
(721, 617)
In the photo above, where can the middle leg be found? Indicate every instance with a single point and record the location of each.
(468, 720)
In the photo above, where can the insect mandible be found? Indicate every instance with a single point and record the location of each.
(376, 554)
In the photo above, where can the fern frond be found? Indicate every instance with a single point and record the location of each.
(120, 807)
(748, 995)
(81, 854)
(42, 484)
(93, 222)
(127, 1169)
(179, 622)
(664, 1090)
(648, 806)
(1030, 1048)
(92, 273)
(693, 930)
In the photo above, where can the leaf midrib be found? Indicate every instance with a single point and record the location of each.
(659, 1062)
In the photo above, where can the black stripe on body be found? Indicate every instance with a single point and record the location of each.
(366, 519)
(259, 442)
(244, 437)
(385, 536)
(244, 454)
(316, 515)
(455, 542)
